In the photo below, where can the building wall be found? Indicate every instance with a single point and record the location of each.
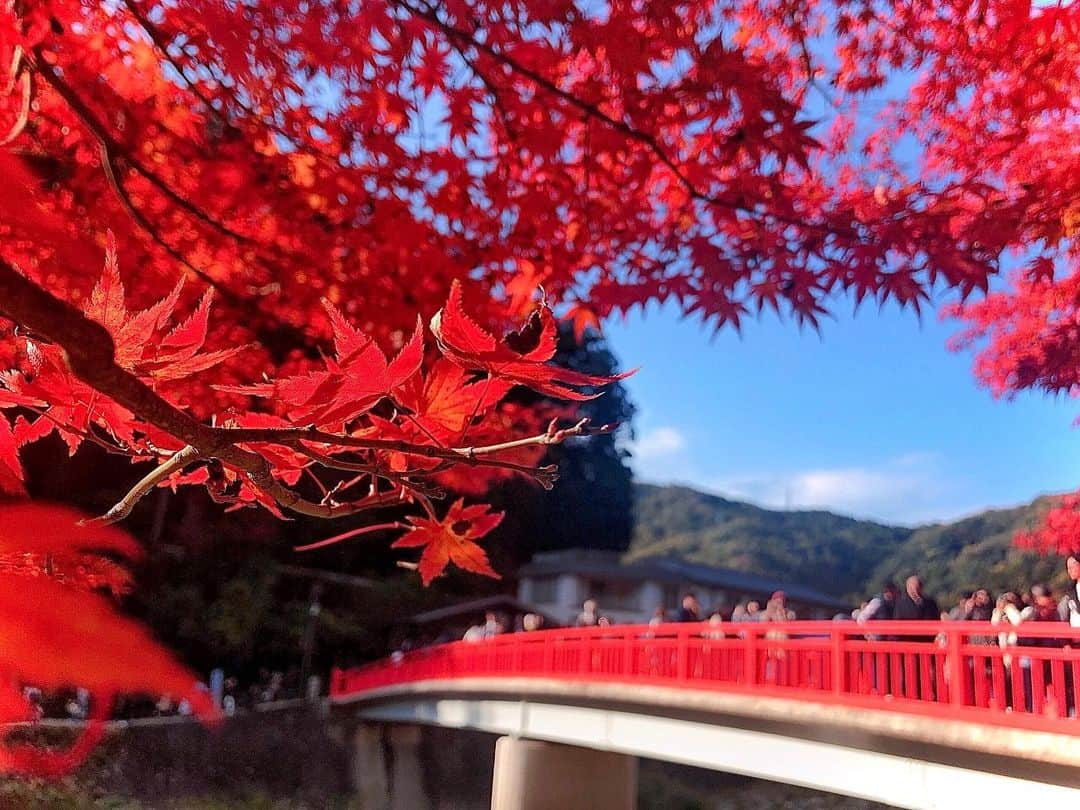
(561, 598)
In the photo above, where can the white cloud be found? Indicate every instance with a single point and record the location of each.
(909, 489)
(658, 443)
(906, 489)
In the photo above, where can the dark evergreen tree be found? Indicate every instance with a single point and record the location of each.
(591, 505)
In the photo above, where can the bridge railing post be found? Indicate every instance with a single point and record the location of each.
(517, 653)
(956, 667)
(682, 654)
(838, 684)
(750, 656)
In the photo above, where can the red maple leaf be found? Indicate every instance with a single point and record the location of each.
(521, 357)
(439, 407)
(11, 472)
(354, 380)
(142, 342)
(40, 541)
(444, 401)
(452, 540)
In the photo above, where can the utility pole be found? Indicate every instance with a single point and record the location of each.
(308, 644)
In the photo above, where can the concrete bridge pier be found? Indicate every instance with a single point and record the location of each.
(368, 768)
(536, 775)
(386, 770)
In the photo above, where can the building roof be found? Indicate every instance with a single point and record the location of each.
(501, 602)
(670, 571)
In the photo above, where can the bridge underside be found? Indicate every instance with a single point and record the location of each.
(877, 755)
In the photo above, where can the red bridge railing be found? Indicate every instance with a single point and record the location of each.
(954, 670)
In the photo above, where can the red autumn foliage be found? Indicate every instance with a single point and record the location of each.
(57, 632)
(368, 164)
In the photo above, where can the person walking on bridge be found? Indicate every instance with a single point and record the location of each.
(915, 605)
(690, 611)
(881, 608)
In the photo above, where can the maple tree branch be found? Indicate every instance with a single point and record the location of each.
(297, 503)
(26, 80)
(125, 200)
(90, 353)
(811, 78)
(159, 42)
(267, 325)
(87, 435)
(159, 39)
(291, 437)
(175, 463)
(98, 130)
(334, 463)
(546, 476)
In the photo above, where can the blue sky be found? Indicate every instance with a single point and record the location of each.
(873, 418)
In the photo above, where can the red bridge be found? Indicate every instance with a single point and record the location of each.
(916, 714)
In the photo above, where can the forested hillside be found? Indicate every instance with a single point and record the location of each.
(833, 553)
(977, 551)
(838, 554)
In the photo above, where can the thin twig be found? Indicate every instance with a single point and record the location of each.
(140, 219)
(176, 463)
(90, 354)
(379, 527)
(592, 110)
(291, 436)
(26, 79)
(334, 463)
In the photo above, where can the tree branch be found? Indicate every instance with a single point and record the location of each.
(291, 437)
(100, 133)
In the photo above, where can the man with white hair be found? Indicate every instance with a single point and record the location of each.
(589, 616)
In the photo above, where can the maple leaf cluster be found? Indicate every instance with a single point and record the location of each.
(730, 156)
(386, 430)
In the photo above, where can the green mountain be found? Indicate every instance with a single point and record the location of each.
(975, 552)
(836, 554)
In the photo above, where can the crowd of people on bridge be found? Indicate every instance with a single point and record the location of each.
(1011, 609)
(1009, 614)
(1038, 603)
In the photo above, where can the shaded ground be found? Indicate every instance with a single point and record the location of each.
(659, 791)
(67, 796)
(664, 786)
(288, 759)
